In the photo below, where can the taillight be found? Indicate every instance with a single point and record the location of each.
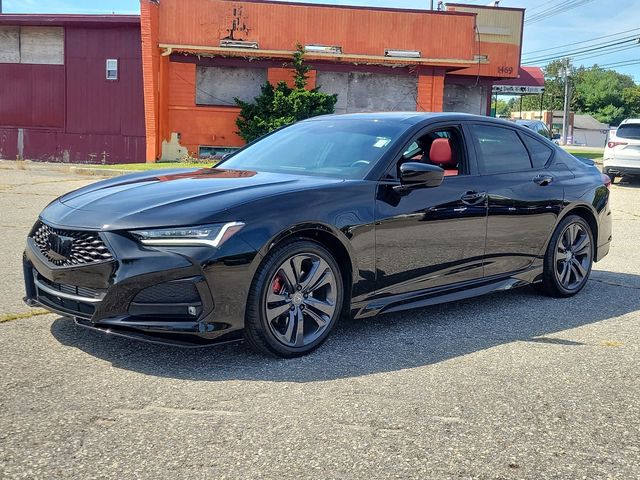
(615, 144)
(606, 180)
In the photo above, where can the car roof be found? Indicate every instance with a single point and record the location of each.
(411, 118)
(522, 121)
(630, 120)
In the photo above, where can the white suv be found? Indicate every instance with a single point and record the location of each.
(622, 152)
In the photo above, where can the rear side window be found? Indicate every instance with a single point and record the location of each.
(500, 150)
(539, 152)
(629, 130)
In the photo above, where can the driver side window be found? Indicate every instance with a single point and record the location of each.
(442, 147)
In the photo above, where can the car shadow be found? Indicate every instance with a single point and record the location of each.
(629, 182)
(381, 344)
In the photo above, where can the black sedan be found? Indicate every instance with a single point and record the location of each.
(338, 215)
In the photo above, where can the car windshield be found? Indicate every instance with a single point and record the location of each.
(629, 130)
(341, 148)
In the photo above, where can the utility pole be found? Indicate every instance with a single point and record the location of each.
(567, 96)
(431, 4)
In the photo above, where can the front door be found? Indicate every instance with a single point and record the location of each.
(431, 237)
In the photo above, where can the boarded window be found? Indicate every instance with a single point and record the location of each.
(370, 92)
(465, 98)
(9, 44)
(33, 45)
(219, 85)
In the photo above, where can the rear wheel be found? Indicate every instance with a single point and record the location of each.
(569, 258)
(294, 300)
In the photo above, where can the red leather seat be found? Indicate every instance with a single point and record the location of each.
(441, 154)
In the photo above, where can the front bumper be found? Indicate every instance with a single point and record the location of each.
(163, 295)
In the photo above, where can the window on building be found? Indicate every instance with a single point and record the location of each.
(112, 69)
(500, 150)
(539, 152)
(32, 45)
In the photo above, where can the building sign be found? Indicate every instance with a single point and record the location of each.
(517, 90)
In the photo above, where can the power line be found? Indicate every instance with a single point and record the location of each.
(563, 7)
(614, 50)
(593, 48)
(622, 63)
(560, 47)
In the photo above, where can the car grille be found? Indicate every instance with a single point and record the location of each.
(72, 300)
(85, 248)
(72, 289)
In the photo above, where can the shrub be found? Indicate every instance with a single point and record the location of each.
(282, 105)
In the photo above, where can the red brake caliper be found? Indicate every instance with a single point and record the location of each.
(276, 286)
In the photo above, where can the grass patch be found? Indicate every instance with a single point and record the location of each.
(7, 317)
(592, 153)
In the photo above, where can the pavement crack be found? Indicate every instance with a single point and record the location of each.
(151, 409)
(8, 317)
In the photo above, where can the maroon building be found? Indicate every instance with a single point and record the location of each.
(71, 88)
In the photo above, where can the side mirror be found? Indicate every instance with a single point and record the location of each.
(416, 174)
(556, 136)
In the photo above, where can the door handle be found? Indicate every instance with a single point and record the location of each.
(473, 198)
(543, 180)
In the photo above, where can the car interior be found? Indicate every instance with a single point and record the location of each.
(441, 148)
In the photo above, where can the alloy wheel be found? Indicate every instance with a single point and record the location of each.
(573, 256)
(301, 300)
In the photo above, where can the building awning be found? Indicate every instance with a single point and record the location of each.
(527, 77)
(530, 80)
(249, 54)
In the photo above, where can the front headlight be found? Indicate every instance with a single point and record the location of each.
(209, 235)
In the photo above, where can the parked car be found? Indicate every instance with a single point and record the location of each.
(356, 214)
(622, 151)
(537, 126)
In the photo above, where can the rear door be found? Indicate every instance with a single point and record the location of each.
(525, 195)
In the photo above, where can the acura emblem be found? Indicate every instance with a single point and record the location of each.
(59, 246)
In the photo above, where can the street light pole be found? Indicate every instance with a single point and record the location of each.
(567, 95)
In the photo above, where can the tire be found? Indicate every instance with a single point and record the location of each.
(569, 258)
(298, 282)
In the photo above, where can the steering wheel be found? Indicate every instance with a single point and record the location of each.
(360, 162)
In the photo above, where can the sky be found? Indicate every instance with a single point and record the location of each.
(593, 18)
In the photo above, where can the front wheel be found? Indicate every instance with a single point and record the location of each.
(569, 258)
(294, 301)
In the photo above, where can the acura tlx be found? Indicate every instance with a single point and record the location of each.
(339, 215)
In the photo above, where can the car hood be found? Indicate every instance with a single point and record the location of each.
(171, 197)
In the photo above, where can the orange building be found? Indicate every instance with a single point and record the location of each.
(200, 54)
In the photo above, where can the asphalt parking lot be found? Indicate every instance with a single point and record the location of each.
(512, 385)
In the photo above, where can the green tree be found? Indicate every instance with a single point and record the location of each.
(607, 95)
(553, 98)
(631, 98)
(280, 105)
(600, 93)
(503, 108)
